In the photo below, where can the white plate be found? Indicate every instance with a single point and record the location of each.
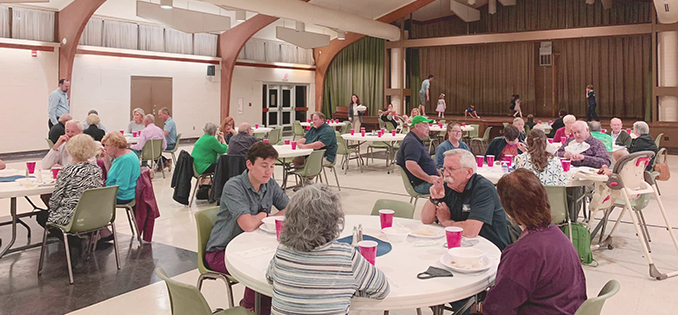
(446, 261)
(265, 229)
(427, 231)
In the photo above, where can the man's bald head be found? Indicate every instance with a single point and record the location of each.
(245, 128)
(580, 130)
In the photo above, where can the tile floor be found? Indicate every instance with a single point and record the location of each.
(639, 293)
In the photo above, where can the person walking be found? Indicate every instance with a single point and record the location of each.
(591, 99)
(424, 94)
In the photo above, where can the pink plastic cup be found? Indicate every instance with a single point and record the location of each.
(393, 133)
(256, 126)
(279, 227)
(628, 130)
(308, 127)
(509, 159)
(490, 160)
(287, 141)
(463, 124)
(566, 164)
(266, 141)
(30, 165)
(135, 134)
(440, 125)
(540, 122)
(328, 121)
(550, 140)
(122, 132)
(294, 145)
(352, 131)
(386, 218)
(55, 172)
(379, 133)
(563, 140)
(309, 121)
(453, 234)
(603, 130)
(369, 250)
(479, 160)
(362, 132)
(383, 130)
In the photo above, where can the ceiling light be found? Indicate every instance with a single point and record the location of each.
(341, 35)
(166, 4)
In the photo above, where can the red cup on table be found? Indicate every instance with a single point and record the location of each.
(550, 140)
(122, 132)
(328, 121)
(539, 122)
(379, 133)
(628, 130)
(294, 145)
(386, 218)
(266, 141)
(287, 141)
(430, 125)
(453, 235)
(309, 121)
(383, 130)
(566, 164)
(509, 159)
(279, 227)
(393, 132)
(490, 160)
(352, 131)
(440, 125)
(256, 126)
(30, 165)
(369, 250)
(362, 132)
(308, 127)
(135, 134)
(479, 160)
(563, 140)
(463, 124)
(55, 172)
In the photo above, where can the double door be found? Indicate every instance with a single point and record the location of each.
(283, 104)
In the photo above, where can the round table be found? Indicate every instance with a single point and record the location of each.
(495, 172)
(332, 124)
(285, 151)
(437, 128)
(388, 138)
(248, 255)
(545, 126)
(258, 130)
(131, 139)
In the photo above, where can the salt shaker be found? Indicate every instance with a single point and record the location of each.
(354, 243)
(360, 233)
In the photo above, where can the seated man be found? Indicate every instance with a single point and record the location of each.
(320, 136)
(170, 131)
(619, 135)
(466, 199)
(58, 156)
(583, 149)
(99, 124)
(150, 132)
(595, 128)
(246, 201)
(59, 129)
(519, 123)
(242, 141)
(509, 144)
(413, 156)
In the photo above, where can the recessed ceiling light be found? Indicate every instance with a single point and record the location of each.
(166, 4)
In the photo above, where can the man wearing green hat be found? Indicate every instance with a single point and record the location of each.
(414, 158)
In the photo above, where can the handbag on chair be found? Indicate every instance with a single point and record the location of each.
(662, 168)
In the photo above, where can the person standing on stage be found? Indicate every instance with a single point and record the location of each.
(424, 95)
(591, 99)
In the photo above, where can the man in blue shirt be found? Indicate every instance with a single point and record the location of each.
(413, 156)
(58, 102)
(170, 134)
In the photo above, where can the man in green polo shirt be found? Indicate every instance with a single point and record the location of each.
(595, 128)
(320, 136)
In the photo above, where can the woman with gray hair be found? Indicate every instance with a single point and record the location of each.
(207, 149)
(93, 129)
(311, 272)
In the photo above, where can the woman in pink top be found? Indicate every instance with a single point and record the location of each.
(566, 131)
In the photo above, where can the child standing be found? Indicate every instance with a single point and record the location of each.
(441, 106)
(515, 103)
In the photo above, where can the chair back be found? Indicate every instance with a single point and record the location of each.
(475, 132)
(346, 128)
(558, 202)
(275, 135)
(50, 144)
(297, 129)
(95, 209)
(406, 182)
(204, 220)
(314, 164)
(184, 298)
(658, 139)
(402, 209)
(594, 306)
(176, 146)
(342, 148)
(629, 171)
(486, 135)
(152, 150)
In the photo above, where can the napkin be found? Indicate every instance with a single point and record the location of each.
(576, 147)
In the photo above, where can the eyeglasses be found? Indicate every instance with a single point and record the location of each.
(448, 170)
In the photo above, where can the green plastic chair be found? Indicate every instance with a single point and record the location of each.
(131, 217)
(594, 306)
(204, 220)
(312, 168)
(95, 210)
(186, 299)
(199, 177)
(152, 151)
(408, 187)
(559, 209)
(176, 146)
(346, 128)
(275, 136)
(402, 209)
(297, 130)
(50, 144)
(658, 139)
(376, 145)
(345, 151)
(486, 136)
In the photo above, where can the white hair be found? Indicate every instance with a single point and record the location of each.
(466, 158)
(150, 118)
(76, 123)
(569, 118)
(642, 127)
(515, 120)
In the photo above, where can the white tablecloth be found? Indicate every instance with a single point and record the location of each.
(495, 172)
(285, 151)
(388, 137)
(339, 124)
(401, 266)
(14, 189)
(258, 130)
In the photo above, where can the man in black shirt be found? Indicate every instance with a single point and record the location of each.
(242, 141)
(59, 129)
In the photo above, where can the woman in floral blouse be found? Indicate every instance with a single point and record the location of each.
(546, 166)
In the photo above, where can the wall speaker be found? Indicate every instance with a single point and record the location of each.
(211, 70)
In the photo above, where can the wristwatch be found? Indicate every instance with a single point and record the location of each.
(262, 210)
(434, 201)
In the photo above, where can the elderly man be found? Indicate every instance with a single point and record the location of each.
(151, 131)
(519, 123)
(414, 158)
(468, 200)
(619, 136)
(59, 129)
(320, 136)
(595, 128)
(58, 102)
(242, 141)
(583, 149)
(58, 156)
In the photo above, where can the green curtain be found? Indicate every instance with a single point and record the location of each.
(357, 69)
(413, 77)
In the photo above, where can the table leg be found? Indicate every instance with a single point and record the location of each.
(257, 303)
(12, 210)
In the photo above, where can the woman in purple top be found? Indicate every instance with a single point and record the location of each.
(540, 273)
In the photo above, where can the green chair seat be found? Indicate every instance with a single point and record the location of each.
(594, 306)
(152, 151)
(408, 187)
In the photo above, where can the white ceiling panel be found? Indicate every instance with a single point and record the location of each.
(366, 8)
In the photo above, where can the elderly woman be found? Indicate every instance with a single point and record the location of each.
(92, 129)
(71, 182)
(453, 137)
(539, 161)
(509, 144)
(542, 246)
(227, 129)
(124, 170)
(137, 123)
(566, 131)
(207, 149)
(311, 272)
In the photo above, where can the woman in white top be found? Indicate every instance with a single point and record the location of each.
(538, 160)
(137, 123)
(355, 115)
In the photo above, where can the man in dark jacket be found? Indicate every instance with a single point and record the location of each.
(508, 144)
(181, 179)
(59, 129)
(619, 136)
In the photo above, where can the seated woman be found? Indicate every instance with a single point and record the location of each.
(137, 123)
(72, 181)
(413, 113)
(387, 115)
(227, 129)
(207, 149)
(566, 131)
(453, 137)
(92, 129)
(542, 163)
(506, 145)
(542, 246)
(125, 169)
(311, 272)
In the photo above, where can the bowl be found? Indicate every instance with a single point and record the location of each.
(466, 256)
(28, 182)
(396, 234)
(269, 222)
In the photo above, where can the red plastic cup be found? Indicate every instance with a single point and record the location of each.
(430, 125)
(453, 235)
(369, 250)
(362, 132)
(540, 121)
(308, 128)
(509, 159)
(393, 132)
(309, 121)
(603, 130)
(550, 140)
(30, 165)
(55, 172)
(563, 140)
(386, 218)
(383, 130)
(256, 126)
(135, 134)
(479, 160)
(628, 130)
(279, 227)
(287, 141)
(328, 121)
(294, 145)
(379, 133)
(566, 164)
(352, 131)
(122, 132)
(490, 160)
(266, 141)
(463, 124)
(440, 125)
